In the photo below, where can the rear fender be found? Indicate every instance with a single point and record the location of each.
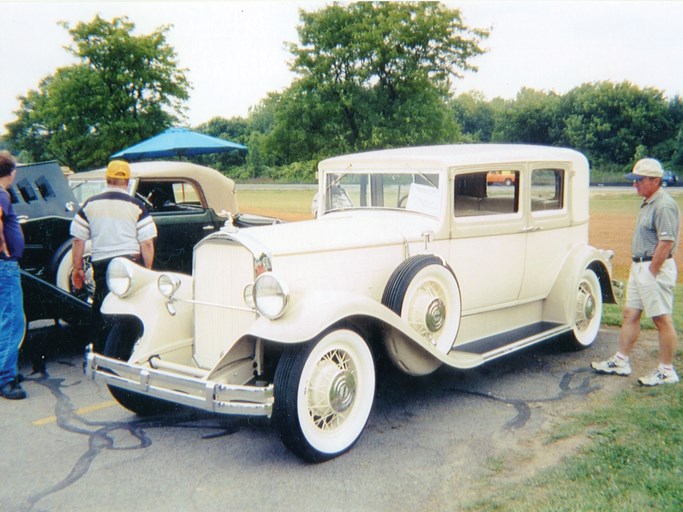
(559, 306)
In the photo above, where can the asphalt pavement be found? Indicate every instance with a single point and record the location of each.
(431, 443)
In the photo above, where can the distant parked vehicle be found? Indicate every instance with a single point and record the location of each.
(500, 178)
(669, 179)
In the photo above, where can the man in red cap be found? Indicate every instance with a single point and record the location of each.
(116, 225)
(652, 278)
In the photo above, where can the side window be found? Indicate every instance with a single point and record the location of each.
(486, 193)
(45, 188)
(26, 191)
(14, 199)
(169, 196)
(186, 193)
(547, 189)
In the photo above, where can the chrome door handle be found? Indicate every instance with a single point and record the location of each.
(531, 229)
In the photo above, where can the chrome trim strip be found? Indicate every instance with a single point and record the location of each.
(216, 305)
(513, 347)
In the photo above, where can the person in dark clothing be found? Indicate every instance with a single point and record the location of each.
(12, 320)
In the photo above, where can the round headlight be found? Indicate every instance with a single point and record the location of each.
(119, 277)
(168, 285)
(270, 296)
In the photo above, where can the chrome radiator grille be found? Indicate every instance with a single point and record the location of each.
(221, 271)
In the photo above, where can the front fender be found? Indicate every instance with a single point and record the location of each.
(314, 312)
(161, 328)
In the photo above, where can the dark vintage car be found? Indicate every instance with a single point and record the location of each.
(45, 206)
(187, 202)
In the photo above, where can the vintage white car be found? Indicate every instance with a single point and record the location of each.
(413, 254)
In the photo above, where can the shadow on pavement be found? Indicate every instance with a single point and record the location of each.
(47, 340)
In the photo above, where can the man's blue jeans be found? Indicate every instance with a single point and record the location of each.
(12, 322)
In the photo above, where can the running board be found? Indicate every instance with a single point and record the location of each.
(480, 351)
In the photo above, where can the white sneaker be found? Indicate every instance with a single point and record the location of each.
(614, 365)
(658, 377)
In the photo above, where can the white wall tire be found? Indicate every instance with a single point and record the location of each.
(425, 293)
(587, 313)
(324, 393)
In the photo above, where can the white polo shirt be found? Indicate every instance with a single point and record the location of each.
(115, 222)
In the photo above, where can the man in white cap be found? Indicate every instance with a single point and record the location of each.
(117, 225)
(652, 277)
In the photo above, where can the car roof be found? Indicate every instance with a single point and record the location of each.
(218, 189)
(454, 155)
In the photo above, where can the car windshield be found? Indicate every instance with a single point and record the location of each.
(416, 192)
(85, 188)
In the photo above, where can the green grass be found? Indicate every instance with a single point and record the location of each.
(632, 462)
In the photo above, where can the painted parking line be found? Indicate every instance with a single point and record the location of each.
(82, 410)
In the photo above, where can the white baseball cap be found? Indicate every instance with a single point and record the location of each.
(646, 168)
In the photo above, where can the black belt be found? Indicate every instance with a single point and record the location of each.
(641, 259)
(135, 258)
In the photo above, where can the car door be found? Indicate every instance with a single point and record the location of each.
(550, 233)
(182, 217)
(488, 238)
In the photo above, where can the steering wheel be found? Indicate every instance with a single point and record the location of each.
(142, 198)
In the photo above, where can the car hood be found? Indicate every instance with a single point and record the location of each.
(337, 232)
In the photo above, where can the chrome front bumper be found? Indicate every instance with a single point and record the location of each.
(182, 389)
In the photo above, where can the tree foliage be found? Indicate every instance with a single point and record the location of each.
(613, 124)
(609, 121)
(372, 74)
(123, 89)
(369, 75)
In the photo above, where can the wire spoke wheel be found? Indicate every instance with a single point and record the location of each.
(323, 394)
(587, 310)
(425, 293)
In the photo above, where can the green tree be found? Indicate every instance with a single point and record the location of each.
(610, 121)
(531, 118)
(124, 88)
(235, 129)
(373, 74)
(475, 116)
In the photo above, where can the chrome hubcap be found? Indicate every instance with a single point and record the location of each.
(585, 307)
(435, 316)
(333, 386)
(342, 391)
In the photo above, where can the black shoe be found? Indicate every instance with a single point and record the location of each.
(13, 391)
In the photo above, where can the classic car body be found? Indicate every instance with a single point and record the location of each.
(284, 321)
(187, 201)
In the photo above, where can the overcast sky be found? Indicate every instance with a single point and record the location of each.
(235, 51)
